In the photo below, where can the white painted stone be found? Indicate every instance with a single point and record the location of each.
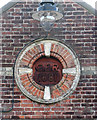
(47, 94)
(47, 49)
(25, 70)
(69, 71)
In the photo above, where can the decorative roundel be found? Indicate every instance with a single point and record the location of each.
(47, 70)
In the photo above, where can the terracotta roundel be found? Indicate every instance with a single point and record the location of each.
(47, 71)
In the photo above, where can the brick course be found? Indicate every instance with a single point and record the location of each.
(78, 29)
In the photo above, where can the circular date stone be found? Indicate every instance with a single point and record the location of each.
(47, 71)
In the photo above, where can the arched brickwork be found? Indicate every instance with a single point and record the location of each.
(48, 48)
(77, 28)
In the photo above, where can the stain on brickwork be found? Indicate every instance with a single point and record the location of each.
(77, 28)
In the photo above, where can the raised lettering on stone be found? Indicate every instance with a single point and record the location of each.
(47, 75)
(47, 71)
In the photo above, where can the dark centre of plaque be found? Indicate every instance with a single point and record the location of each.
(47, 71)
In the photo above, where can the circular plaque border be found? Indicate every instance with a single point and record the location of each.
(31, 45)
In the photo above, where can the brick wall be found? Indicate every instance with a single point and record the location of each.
(77, 29)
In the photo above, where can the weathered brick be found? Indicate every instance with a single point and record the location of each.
(78, 30)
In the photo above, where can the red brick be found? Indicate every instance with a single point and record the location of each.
(47, 113)
(38, 109)
(70, 77)
(18, 109)
(38, 113)
(32, 89)
(36, 92)
(36, 50)
(29, 55)
(33, 51)
(25, 61)
(33, 60)
(24, 81)
(27, 109)
(68, 83)
(57, 109)
(84, 97)
(55, 93)
(41, 94)
(52, 96)
(55, 49)
(25, 57)
(24, 76)
(68, 58)
(66, 55)
(42, 47)
(64, 52)
(47, 109)
(26, 105)
(36, 117)
(21, 117)
(60, 50)
(64, 88)
(52, 47)
(27, 84)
